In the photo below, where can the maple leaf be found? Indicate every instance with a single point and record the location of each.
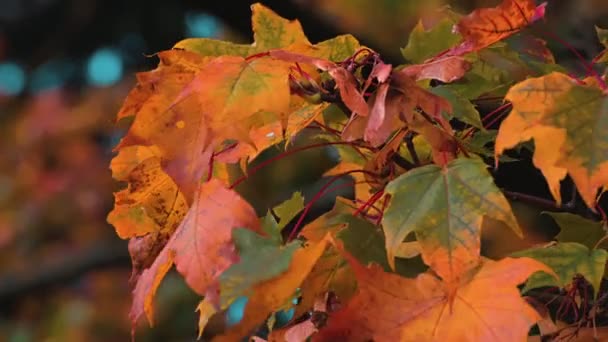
(388, 307)
(144, 250)
(332, 273)
(444, 206)
(602, 35)
(260, 259)
(486, 26)
(345, 81)
(302, 117)
(430, 37)
(569, 124)
(462, 109)
(271, 295)
(566, 259)
(574, 228)
(151, 202)
(271, 31)
(446, 70)
(215, 104)
(395, 105)
(285, 212)
(201, 247)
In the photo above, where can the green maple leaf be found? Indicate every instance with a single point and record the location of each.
(566, 259)
(444, 207)
(574, 228)
(261, 259)
(462, 109)
(285, 211)
(425, 43)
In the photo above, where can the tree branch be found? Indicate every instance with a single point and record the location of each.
(39, 278)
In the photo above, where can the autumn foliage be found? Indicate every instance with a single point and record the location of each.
(419, 154)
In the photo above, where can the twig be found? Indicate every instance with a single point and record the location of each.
(539, 201)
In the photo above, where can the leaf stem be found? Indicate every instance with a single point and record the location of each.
(597, 244)
(317, 196)
(588, 66)
(409, 142)
(539, 201)
(283, 155)
(375, 197)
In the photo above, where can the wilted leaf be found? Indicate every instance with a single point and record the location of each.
(574, 228)
(349, 92)
(444, 207)
(446, 70)
(388, 307)
(487, 26)
(151, 202)
(569, 125)
(566, 259)
(201, 247)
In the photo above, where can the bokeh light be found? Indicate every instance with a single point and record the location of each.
(105, 67)
(12, 79)
(202, 25)
(236, 310)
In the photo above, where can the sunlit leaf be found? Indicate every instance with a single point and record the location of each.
(151, 202)
(388, 307)
(569, 124)
(444, 207)
(201, 247)
(426, 42)
(217, 103)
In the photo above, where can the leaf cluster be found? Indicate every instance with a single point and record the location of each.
(403, 257)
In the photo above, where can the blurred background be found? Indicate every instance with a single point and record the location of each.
(65, 68)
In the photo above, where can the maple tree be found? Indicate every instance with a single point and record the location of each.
(419, 154)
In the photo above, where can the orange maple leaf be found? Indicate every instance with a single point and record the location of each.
(151, 202)
(568, 122)
(388, 307)
(193, 112)
(201, 247)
